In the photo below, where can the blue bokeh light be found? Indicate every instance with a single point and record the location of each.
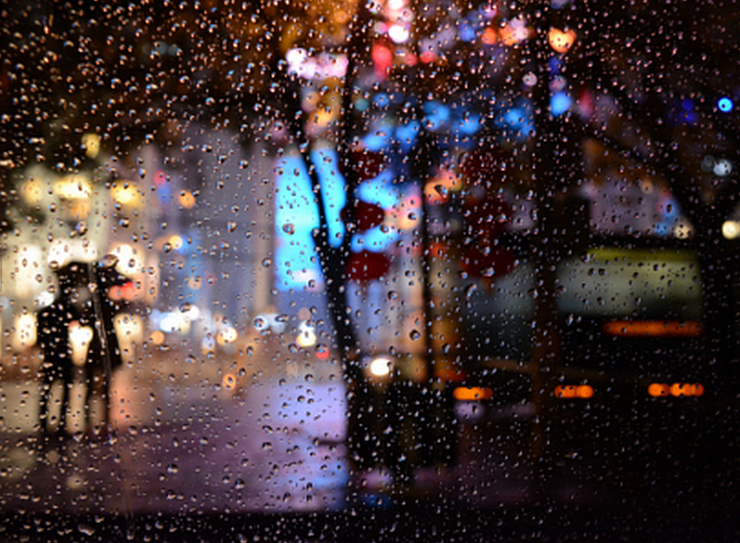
(517, 117)
(406, 135)
(725, 104)
(560, 102)
(436, 114)
(296, 215)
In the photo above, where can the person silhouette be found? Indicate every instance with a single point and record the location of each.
(52, 333)
(104, 352)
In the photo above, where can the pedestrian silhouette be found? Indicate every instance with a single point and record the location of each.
(53, 339)
(104, 352)
(97, 311)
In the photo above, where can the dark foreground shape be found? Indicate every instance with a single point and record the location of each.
(400, 523)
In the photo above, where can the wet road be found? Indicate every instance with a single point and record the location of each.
(185, 447)
(274, 446)
(181, 448)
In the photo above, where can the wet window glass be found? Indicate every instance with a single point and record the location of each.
(378, 270)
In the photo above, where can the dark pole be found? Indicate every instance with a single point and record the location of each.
(548, 166)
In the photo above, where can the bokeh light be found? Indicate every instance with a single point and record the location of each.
(725, 104)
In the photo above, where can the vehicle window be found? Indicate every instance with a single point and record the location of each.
(321, 271)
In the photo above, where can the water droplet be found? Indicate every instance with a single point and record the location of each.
(267, 263)
(289, 229)
(414, 335)
(85, 529)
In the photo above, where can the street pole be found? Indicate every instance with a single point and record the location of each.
(546, 254)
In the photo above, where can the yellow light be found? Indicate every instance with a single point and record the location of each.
(175, 242)
(79, 209)
(91, 143)
(683, 231)
(130, 260)
(561, 40)
(127, 193)
(697, 390)
(79, 340)
(381, 367)
(472, 394)
(33, 191)
(24, 332)
(129, 327)
(73, 187)
(227, 335)
(307, 338)
(731, 229)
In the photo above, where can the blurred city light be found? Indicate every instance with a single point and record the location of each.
(381, 366)
(655, 328)
(574, 391)
(676, 390)
(725, 104)
(73, 187)
(560, 102)
(186, 199)
(515, 31)
(79, 339)
(306, 335)
(228, 381)
(24, 331)
(91, 143)
(472, 394)
(127, 193)
(227, 336)
(561, 40)
(731, 229)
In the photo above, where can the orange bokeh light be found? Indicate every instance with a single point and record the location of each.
(561, 40)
